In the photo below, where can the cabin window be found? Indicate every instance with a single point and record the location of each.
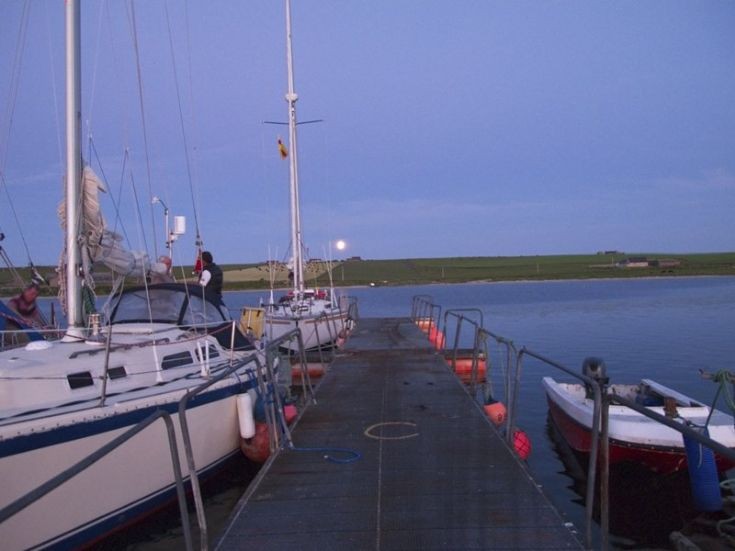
(213, 353)
(80, 380)
(176, 360)
(201, 312)
(116, 373)
(158, 305)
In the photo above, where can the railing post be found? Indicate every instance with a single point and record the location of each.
(106, 370)
(513, 395)
(475, 360)
(605, 472)
(595, 430)
(592, 467)
(305, 377)
(279, 422)
(318, 340)
(183, 403)
(456, 343)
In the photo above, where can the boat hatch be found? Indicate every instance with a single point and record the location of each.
(117, 373)
(80, 379)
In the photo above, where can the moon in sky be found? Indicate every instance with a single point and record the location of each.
(340, 245)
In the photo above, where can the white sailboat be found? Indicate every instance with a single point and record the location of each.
(62, 400)
(318, 313)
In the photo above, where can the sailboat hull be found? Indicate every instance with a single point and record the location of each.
(132, 480)
(316, 331)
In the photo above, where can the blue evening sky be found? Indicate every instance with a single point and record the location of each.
(450, 127)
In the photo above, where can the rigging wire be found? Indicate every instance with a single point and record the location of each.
(143, 120)
(195, 195)
(115, 203)
(141, 233)
(54, 90)
(17, 220)
(95, 65)
(118, 62)
(181, 120)
(15, 71)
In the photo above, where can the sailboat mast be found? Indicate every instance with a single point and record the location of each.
(73, 164)
(291, 97)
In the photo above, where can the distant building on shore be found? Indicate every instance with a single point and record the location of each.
(643, 262)
(665, 263)
(633, 262)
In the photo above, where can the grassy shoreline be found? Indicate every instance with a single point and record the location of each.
(419, 271)
(526, 268)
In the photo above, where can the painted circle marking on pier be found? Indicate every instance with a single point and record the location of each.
(369, 431)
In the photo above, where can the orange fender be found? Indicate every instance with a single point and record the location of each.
(496, 412)
(521, 444)
(463, 369)
(257, 449)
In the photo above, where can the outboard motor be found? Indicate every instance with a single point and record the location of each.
(595, 368)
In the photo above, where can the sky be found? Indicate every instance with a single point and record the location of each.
(450, 128)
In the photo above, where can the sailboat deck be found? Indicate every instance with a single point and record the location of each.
(432, 472)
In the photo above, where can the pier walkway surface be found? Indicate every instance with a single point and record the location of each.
(432, 474)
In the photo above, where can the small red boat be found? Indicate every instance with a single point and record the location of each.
(633, 436)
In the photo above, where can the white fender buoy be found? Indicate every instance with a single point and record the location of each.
(245, 415)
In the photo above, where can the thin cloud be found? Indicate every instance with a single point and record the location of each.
(719, 179)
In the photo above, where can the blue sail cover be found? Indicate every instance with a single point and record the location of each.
(8, 314)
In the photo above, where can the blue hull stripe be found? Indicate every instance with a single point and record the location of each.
(103, 526)
(85, 429)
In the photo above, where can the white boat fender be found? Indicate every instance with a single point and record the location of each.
(245, 415)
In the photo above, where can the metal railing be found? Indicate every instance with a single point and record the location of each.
(82, 465)
(266, 380)
(188, 448)
(279, 433)
(66, 475)
(353, 312)
(671, 422)
(595, 430)
(478, 350)
(511, 355)
(17, 338)
(423, 309)
(416, 301)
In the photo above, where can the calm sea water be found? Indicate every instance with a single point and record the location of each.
(663, 329)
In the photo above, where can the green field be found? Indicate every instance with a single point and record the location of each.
(463, 269)
(412, 271)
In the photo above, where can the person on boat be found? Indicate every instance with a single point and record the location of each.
(25, 306)
(211, 277)
(161, 271)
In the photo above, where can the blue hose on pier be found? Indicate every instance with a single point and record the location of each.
(351, 455)
(703, 477)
